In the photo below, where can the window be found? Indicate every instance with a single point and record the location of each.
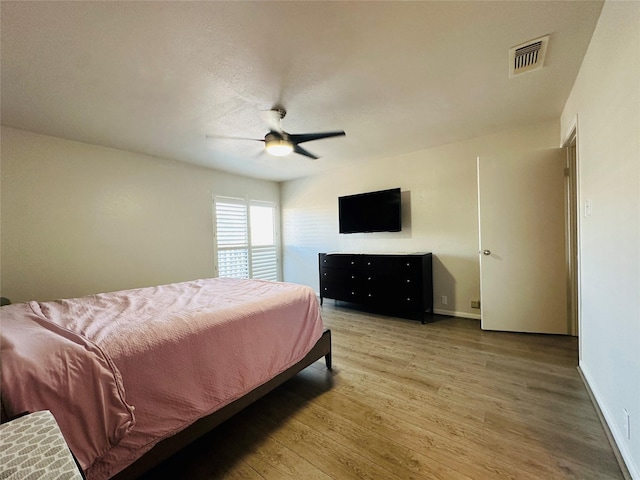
(246, 239)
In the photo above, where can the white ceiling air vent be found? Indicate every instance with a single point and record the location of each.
(528, 56)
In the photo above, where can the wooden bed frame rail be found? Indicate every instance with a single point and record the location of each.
(169, 446)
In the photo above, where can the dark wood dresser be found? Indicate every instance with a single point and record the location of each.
(390, 283)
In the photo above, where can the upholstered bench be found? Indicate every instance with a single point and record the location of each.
(32, 446)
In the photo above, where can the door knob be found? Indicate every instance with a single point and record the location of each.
(486, 252)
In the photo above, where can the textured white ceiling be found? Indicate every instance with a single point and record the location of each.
(157, 77)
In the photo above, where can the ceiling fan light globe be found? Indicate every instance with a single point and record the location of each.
(279, 148)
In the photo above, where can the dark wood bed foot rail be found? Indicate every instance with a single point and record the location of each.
(172, 445)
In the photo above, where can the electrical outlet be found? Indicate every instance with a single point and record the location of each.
(475, 303)
(444, 300)
(627, 424)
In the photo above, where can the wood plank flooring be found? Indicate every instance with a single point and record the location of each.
(404, 400)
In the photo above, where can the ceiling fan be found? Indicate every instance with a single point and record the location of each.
(280, 143)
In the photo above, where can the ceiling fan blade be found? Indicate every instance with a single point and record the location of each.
(307, 137)
(224, 137)
(302, 151)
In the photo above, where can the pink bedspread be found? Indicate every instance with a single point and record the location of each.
(183, 351)
(46, 367)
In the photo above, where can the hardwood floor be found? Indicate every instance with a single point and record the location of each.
(404, 400)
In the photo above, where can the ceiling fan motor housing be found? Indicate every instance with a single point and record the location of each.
(278, 144)
(273, 136)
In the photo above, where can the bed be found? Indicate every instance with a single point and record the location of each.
(133, 376)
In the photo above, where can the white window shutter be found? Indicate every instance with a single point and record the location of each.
(232, 239)
(246, 243)
(264, 263)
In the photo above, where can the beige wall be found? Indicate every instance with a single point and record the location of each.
(605, 100)
(440, 210)
(79, 219)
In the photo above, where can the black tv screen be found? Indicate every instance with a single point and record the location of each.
(370, 212)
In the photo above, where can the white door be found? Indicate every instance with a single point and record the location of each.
(523, 279)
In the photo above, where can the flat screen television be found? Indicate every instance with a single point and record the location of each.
(370, 212)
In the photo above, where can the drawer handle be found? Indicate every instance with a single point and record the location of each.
(370, 295)
(368, 278)
(352, 263)
(353, 293)
(408, 299)
(368, 263)
(408, 264)
(408, 280)
(353, 276)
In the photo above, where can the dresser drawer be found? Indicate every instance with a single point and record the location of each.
(393, 290)
(340, 261)
(392, 279)
(340, 291)
(391, 264)
(342, 275)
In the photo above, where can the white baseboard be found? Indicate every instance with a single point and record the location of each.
(453, 313)
(626, 461)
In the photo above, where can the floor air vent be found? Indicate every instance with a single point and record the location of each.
(527, 56)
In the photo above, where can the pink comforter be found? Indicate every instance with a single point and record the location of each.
(183, 351)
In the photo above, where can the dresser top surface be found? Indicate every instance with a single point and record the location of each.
(404, 254)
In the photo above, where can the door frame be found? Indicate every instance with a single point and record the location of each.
(573, 213)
